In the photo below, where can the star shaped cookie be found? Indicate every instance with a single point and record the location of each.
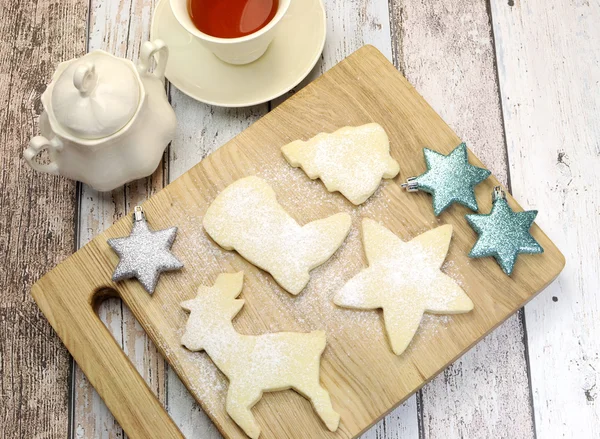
(404, 279)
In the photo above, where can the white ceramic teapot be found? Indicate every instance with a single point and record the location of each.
(105, 122)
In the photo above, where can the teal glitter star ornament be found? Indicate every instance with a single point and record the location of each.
(449, 179)
(503, 233)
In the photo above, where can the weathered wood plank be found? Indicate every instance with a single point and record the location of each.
(549, 69)
(36, 220)
(119, 27)
(446, 50)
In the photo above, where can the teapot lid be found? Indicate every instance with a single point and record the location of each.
(96, 95)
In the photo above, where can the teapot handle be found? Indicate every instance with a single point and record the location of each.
(36, 146)
(149, 50)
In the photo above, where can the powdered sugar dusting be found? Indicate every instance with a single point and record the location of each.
(253, 364)
(404, 279)
(269, 308)
(351, 160)
(247, 217)
(207, 383)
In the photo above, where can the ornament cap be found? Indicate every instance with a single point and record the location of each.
(498, 194)
(411, 184)
(138, 214)
(449, 179)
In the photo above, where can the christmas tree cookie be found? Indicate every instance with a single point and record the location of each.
(254, 364)
(352, 160)
(247, 217)
(404, 279)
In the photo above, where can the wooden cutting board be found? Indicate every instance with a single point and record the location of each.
(364, 378)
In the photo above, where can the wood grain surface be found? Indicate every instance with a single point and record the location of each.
(37, 214)
(364, 378)
(445, 49)
(549, 68)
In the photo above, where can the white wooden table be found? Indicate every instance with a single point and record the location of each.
(518, 80)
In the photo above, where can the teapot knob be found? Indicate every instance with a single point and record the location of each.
(85, 79)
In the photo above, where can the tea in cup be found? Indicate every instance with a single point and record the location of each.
(236, 31)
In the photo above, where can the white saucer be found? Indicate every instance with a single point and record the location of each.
(195, 71)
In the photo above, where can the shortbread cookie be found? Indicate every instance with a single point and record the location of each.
(351, 160)
(405, 280)
(254, 364)
(247, 217)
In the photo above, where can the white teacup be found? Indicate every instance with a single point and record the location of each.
(242, 50)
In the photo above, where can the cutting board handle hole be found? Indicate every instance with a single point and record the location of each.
(101, 295)
(110, 309)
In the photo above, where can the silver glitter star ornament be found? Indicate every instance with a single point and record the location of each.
(503, 233)
(144, 254)
(449, 179)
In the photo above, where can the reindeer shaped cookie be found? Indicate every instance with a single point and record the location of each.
(246, 217)
(254, 364)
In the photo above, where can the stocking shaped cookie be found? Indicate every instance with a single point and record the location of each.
(405, 280)
(247, 217)
(351, 160)
(254, 364)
